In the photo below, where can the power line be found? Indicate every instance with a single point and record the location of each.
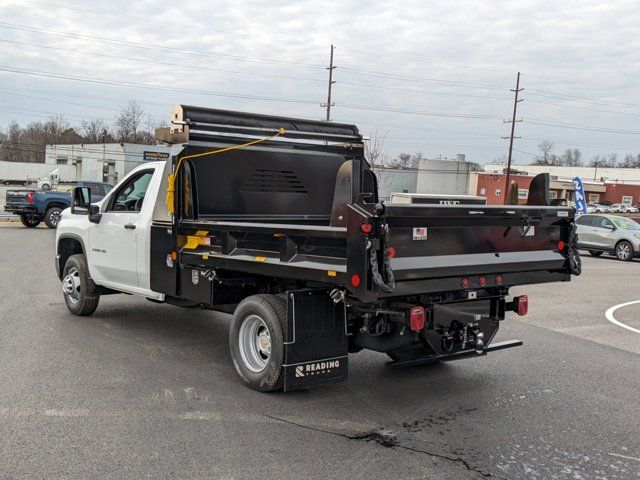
(46, 31)
(155, 62)
(589, 128)
(577, 107)
(417, 112)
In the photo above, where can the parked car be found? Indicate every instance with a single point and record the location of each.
(602, 208)
(34, 206)
(591, 209)
(624, 208)
(600, 234)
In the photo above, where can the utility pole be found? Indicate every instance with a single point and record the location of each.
(511, 137)
(331, 68)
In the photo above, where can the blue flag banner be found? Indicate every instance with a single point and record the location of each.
(578, 196)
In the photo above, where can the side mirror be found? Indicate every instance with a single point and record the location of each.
(94, 214)
(80, 200)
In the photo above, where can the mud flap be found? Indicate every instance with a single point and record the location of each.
(315, 347)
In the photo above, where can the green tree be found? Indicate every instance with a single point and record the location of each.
(513, 194)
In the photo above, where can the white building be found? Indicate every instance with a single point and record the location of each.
(446, 176)
(100, 162)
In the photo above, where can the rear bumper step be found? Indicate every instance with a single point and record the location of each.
(456, 356)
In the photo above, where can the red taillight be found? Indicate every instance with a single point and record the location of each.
(417, 318)
(482, 280)
(561, 245)
(30, 196)
(498, 279)
(522, 305)
(366, 228)
(464, 281)
(392, 252)
(355, 280)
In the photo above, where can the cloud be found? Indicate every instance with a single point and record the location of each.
(456, 57)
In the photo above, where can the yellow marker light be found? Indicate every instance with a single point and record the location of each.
(260, 259)
(332, 273)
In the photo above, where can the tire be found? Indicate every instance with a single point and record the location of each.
(595, 253)
(52, 217)
(75, 279)
(624, 251)
(46, 187)
(29, 221)
(256, 341)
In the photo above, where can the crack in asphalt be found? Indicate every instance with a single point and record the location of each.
(388, 441)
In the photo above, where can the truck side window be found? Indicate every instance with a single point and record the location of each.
(130, 196)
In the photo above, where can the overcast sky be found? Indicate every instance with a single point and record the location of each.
(434, 77)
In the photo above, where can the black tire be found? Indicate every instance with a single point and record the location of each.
(595, 253)
(272, 312)
(29, 221)
(52, 217)
(46, 187)
(624, 251)
(75, 286)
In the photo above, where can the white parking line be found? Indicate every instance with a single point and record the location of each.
(612, 319)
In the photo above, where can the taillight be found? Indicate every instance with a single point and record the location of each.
(522, 305)
(498, 279)
(30, 196)
(464, 281)
(392, 252)
(561, 245)
(482, 281)
(417, 318)
(355, 280)
(366, 228)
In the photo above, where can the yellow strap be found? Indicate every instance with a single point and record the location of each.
(171, 187)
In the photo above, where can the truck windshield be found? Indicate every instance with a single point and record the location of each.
(625, 223)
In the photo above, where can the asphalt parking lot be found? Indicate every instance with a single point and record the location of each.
(141, 390)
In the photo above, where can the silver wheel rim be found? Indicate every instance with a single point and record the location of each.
(623, 251)
(54, 217)
(254, 342)
(71, 285)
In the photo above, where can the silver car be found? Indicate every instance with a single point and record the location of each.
(618, 236)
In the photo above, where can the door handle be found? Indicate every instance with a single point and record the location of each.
(130, 226)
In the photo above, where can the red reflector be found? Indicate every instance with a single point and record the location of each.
(30, 197)
(482, 281)
(522, 305)
(366, 228)
(392, 252)
(560, 245)
(498, 279)
(417, 318)
(464, 282)
(355, 280)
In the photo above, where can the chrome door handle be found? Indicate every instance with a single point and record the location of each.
(130, 226)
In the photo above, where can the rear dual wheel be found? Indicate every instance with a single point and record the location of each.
(256, 341)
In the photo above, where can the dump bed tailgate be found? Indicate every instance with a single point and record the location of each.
(522, 244)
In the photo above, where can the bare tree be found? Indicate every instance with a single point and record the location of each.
(571, 158)
(545, 155)
(604, 160)
(95, 131)
(631, 161)
(128, 122)
(376, 155)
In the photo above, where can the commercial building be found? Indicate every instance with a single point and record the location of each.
(492, 185)
(100, 162)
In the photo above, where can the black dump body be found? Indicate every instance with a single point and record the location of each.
(293, 209)
(298, 217)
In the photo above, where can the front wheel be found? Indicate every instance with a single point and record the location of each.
(75, 287)
(624, 251)
(256, 341)
(52, 217)
(29, 221)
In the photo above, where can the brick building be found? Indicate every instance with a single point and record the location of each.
(492, 187)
